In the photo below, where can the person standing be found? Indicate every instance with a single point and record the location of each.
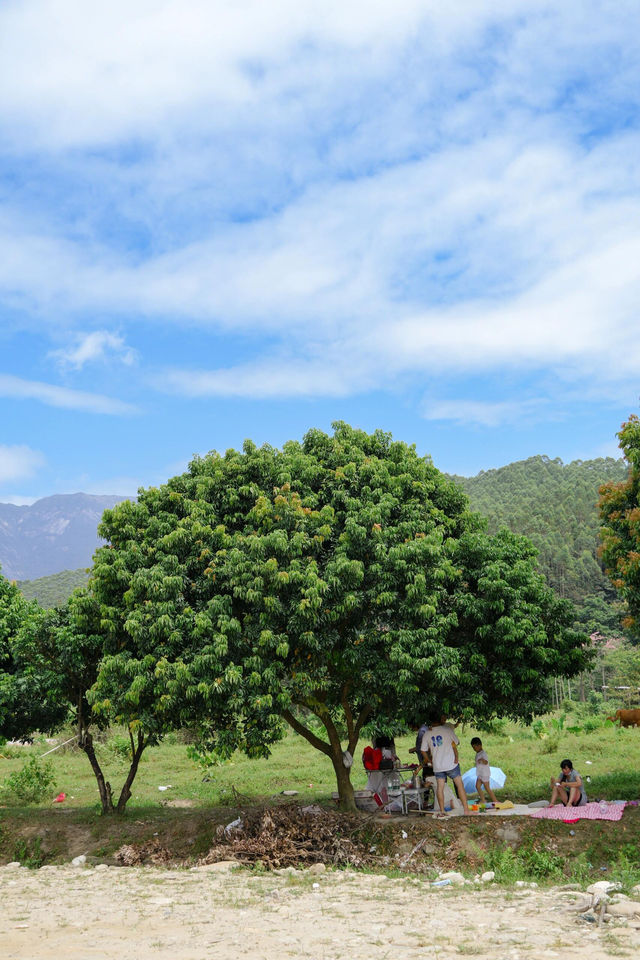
(441, 743)
(483, 771)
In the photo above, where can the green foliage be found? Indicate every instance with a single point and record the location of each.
(620, 513)
(525, 863)
(626, 867)
(29, 853)
(54, 590)
(555, 506)
(32, 783)
(342, 577)
(120, 747)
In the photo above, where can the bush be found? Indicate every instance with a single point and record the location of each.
(32, 783)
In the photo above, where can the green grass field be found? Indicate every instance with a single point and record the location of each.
(529, 756)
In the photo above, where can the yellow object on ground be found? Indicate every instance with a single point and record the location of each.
(503, 805)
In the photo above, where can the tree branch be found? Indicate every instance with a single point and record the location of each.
(306, 733)
(362, 719)
(347, 711)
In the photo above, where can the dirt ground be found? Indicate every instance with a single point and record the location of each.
(206, 913)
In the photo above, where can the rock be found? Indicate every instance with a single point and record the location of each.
(79, 861)
(579, 902)
(603, 887)
(636, 890)
(289, 793)
(317, 868)
(451, 875)
(221, 866)
(509, 833)
(286, 871)
(102, 866)
(624, 908)
(14, 865)
(523, 883)
(488, 876)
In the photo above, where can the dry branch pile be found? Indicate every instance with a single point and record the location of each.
(133, 854)
(290, 836)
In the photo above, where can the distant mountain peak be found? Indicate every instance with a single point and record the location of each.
(55, 533)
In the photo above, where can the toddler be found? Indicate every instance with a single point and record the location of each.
(483, 771)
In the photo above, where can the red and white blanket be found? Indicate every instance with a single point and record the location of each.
(590, 811)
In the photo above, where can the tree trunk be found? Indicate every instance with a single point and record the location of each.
(85, 742)
(125, 793)
(347, 800)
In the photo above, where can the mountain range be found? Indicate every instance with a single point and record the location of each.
(53, 534)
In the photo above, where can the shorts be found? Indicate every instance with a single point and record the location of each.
(580, 802)
(443, 774)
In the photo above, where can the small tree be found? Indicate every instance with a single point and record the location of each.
(56, 678)
(335, 581)
(620, 533)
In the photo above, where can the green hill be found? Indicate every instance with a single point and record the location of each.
(555, 505)
(55, 589)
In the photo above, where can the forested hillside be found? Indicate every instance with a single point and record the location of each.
(555, 505)
(54, 590)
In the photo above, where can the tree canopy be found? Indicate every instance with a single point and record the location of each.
(620, 513)
(333, 582)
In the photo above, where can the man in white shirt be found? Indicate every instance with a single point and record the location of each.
(441, 743)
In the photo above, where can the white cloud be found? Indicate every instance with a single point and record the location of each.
(54, 396)
(73, 73)
(483, 413)
(17, 500)
(95, 346)
(386, 192)
(19, 463)
(272, 378)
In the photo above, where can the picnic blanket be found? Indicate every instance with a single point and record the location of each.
(590, 811)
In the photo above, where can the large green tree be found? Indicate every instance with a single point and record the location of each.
(325, 585)
(620, 515)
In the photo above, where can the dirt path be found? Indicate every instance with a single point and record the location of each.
(111, 913)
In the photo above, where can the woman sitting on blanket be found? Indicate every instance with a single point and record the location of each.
(569, 789)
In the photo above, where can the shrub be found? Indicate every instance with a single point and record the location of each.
(32, 783)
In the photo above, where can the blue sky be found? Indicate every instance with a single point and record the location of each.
(222, 220)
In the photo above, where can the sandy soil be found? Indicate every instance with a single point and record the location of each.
(208, 913)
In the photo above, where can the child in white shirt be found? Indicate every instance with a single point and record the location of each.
(483, 771)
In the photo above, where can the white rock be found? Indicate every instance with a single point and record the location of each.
(14, 865)
(636, 890)
(624, 908)
(317, 868)
(451, 875)
(603, 886)
(79, 861)
(488, 876)
(102, 866)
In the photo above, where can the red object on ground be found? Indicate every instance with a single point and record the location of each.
(60, 798)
